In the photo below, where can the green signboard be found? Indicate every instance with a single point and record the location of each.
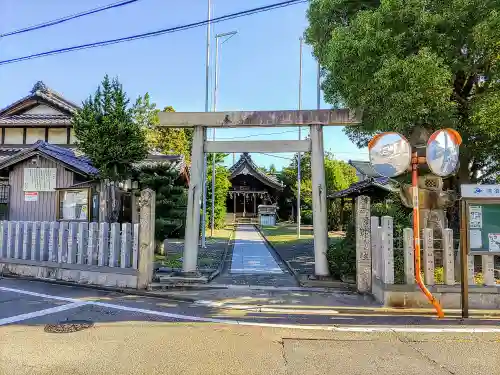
(482, 218)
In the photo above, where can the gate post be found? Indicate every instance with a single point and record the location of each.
(192, 235)
(319, 201)
(363, 245)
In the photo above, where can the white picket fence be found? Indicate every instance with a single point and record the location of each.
(382, 248)
(93, 244)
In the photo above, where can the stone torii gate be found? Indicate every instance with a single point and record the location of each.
(200, 121)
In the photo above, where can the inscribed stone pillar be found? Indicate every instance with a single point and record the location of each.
(363, 245)
(147, 203)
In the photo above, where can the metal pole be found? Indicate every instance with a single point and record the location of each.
(216, 91)
(300, 136)
(318, 88)
(216, 84)
(207, 79)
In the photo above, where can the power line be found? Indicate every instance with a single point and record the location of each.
(68, 18)
(156, 33)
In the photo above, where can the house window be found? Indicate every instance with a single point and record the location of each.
(73, 204)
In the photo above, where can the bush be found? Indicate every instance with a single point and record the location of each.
(341, 256)
(306, 217)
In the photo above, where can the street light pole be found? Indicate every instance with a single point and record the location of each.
(299, 154)
(216, 91)
(207, 79)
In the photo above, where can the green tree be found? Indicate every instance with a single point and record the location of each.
(109, 136)
(415, 62)
(173, 141)
(107, 133)
(171, 199)
(222, 185)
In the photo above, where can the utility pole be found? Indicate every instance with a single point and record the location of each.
(299, 154)
(207, 79)
(216, 91)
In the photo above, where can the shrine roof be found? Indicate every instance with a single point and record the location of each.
(245, 165)
(383, 184)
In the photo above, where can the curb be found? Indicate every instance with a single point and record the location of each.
(136, 292)
(220, 268)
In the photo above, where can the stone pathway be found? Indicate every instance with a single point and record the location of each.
(251, 254)
(252, 262)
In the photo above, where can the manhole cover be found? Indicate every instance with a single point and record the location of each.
(68, 326)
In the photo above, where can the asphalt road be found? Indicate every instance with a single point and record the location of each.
(52, 329)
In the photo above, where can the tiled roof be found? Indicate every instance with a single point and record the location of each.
(64, 155)
(32, 119)
(176, 162)
(383, 183)
(246, 160)
(40, 91)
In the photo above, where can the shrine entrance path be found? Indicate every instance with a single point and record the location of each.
(253, 262)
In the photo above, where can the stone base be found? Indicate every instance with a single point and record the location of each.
(182, 278)
(449, 296)
(76, 273)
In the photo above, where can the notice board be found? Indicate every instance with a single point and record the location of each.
(483, 226)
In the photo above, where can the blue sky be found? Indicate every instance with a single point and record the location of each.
(258, 67)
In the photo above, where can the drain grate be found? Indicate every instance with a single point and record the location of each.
(68, 326)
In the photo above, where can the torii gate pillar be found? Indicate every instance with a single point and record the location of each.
(316, 119)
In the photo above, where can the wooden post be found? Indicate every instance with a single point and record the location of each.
(448, 257)
(146, 238)
(409, 256)
(429, 257)
(387, 250)
(319, 205)
(363, 245)
(341, 224)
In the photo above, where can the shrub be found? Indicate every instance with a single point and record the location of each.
(341, 256)
(306, 217)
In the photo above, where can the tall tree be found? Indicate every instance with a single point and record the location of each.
(106, 131)
(109, 136)
(415, 62)
(174, 141)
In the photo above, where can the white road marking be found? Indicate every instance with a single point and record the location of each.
(39, 313)
(364, 329)
(34, 294)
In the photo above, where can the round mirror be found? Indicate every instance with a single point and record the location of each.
(442, 152)
(390, 154)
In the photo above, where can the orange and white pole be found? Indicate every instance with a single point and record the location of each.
(416, 236)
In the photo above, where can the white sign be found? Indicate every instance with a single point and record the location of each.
(476, 242)
(39, 179)
(494, 240)
(480, 191)
(30, 196)
(475, 217)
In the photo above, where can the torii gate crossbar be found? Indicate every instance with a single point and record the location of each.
(315, 119)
